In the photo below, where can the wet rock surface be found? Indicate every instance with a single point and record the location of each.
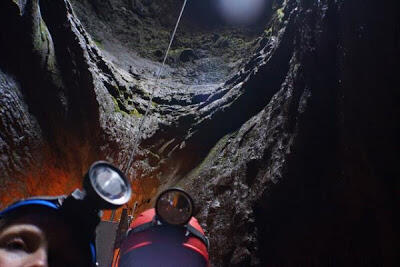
(285, 136)
(294, 182)
(20, 132)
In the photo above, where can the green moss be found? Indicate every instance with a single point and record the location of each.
(280, 14)
(116, 106)
(210, 157)
(133, 112)
(40, 38)
(115, 101)
(43, 30)
(136, 113)
(98, 43)
(268, 32)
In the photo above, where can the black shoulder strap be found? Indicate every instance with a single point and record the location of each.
(198, 234)
(141, 227)
(188, 227)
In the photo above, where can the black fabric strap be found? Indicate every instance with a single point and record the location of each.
(141, 228)
(198, 234)
(188, 227)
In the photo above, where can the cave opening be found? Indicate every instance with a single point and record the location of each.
(206, 51)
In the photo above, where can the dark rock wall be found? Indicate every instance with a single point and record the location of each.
(41, 49)
(18, 139)
(311, 180)
(70, 92)
(292, 160)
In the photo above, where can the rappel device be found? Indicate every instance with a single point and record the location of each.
(104, 187)
(167, 235)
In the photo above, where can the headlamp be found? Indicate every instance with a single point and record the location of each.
(174, 206)
(106, 186)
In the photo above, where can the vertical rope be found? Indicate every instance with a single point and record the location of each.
(160, 69)
(141, 122)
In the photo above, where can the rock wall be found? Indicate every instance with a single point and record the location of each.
(290, 153)
(311, 179)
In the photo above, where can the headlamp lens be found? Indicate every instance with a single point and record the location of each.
(174, 206)
(109, 183)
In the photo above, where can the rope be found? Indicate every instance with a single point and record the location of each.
(141, 122)
(160, 69)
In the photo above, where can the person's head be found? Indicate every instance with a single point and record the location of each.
(33, 234)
